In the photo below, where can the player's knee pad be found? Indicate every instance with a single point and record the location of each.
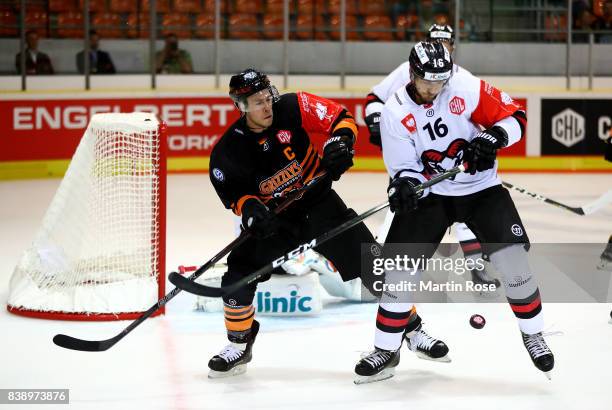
(513, 264)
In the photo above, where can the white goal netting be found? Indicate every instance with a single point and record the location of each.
(100, 250)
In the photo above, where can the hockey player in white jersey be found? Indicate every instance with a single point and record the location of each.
(374, 102)
(442, 118)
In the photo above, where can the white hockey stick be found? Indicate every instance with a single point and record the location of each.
(588, 209)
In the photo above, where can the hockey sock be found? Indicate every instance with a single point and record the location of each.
(238, 322)
(394, 314)
(521, 287)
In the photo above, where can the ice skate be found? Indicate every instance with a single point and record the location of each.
(540, 354)
(425, 346)
(378, 365)
(233, 359)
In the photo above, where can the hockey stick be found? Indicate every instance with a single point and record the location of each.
(582, 210)
(69, 342)
(203, 290)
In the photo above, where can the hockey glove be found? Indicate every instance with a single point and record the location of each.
(373, 123)
(258, 218)
(482, 151)
(402, 194)
(608, 153)
(338, 155)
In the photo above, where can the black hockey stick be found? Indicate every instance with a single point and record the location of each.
(203, 290)
(69, 342)
(581, 210)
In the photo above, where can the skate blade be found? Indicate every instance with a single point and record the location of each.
(383, 375)
(236, 371)
(443, 359)
(605, 266)
(610, 321)
(548, 375)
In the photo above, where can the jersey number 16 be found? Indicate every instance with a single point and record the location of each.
(439, 129)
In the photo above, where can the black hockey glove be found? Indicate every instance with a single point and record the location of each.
(258, 218)
(373, 123)
(482, 151)
(338, 155)
(402, 194)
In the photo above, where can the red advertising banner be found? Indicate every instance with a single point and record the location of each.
(51, 129)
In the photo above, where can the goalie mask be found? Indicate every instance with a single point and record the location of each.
(430, 61)
(250, 82)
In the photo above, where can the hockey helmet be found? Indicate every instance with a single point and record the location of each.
(441, 32)
(247, 83)
(430, 61)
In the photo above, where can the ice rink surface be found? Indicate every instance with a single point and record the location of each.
(307, 363)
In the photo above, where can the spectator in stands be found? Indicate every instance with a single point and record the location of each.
(100, 62)
(172, 59)
(583, 20)
(605, 23)
(35, 62)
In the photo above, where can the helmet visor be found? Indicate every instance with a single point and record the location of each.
(259, 100)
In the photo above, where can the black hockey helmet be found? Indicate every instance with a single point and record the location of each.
(441, 32)
(249, 82)
(430, 61)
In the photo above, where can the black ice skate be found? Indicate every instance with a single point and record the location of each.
(233, 359)
(378, 365)
(605, 261)
(423, 345)
(539, 352)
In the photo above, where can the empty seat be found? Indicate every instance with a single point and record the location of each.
(70, 25)
(351, 27)
(273, 26)
(558, 25)
(95, 6)
(178, 24)
(304, 27)
(59, 6)
(187, 6)
(333, 7)
(248, 7)
(123, 6)
(243, 26)
(372, 7)
(209, 6)
(138, 25)
(205, 25)
(108, 25)
(276, 6)
(161, 6)
(377, 28)
(36, 20)
(406, 26)
(8, 24)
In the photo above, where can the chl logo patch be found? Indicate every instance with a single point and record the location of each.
(517, 230)
(410, 123)
(284, 136)
(457, 105)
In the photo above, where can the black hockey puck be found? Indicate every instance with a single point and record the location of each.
(477, 321)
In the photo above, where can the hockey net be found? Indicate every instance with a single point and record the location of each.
(100, 252)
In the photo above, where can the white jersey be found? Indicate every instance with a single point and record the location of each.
(396, 79)
(423, 140)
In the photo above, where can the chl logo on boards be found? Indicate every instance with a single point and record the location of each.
(568, 127)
